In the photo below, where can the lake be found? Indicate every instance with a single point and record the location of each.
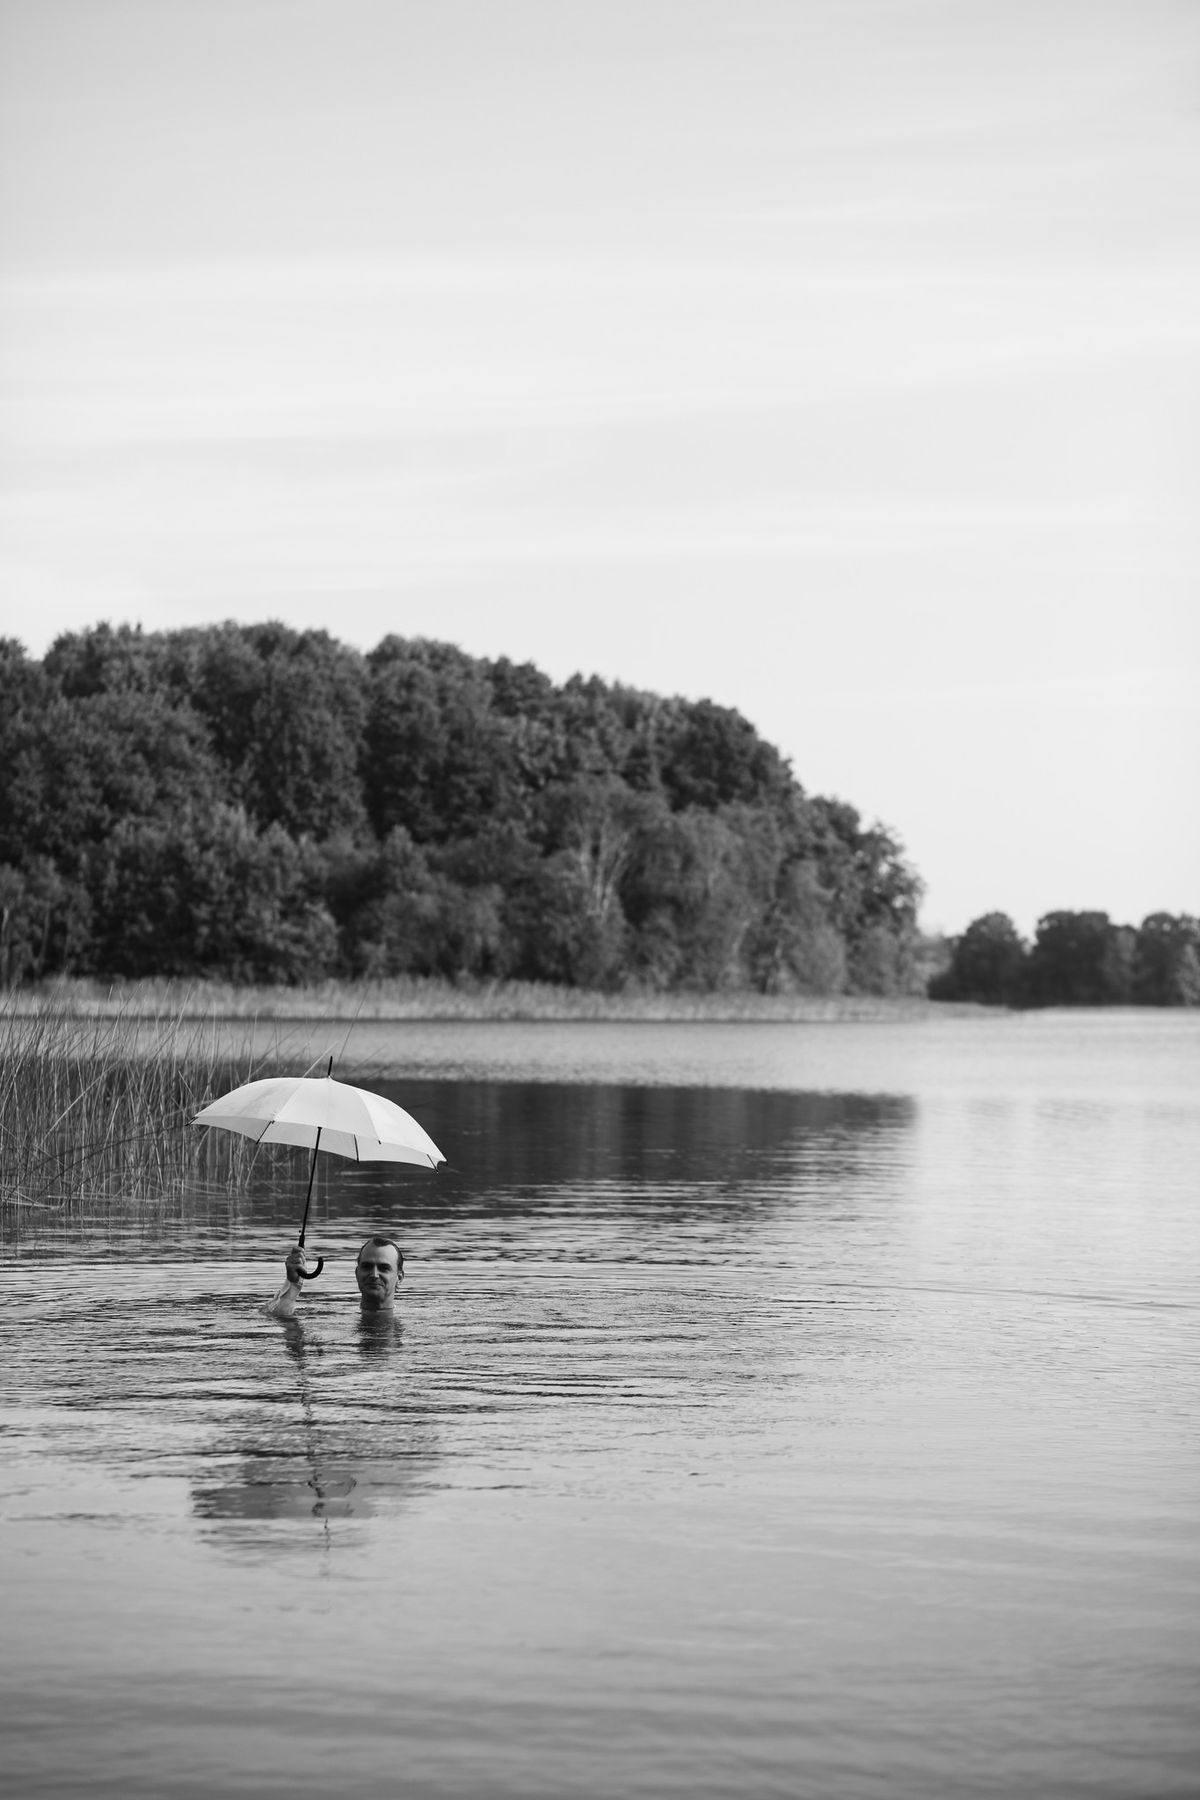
(798, 1410)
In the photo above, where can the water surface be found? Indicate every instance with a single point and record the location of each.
(804, 1410)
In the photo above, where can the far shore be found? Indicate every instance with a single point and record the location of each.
(428, 999)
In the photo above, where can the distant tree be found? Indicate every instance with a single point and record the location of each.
(873, 895)
(302, 768)
(526, 714)
(883, 961)
(101, 660)
(437, 760)
(794, 947)
(24, 697)
(598, 724)
(220, 671)
(385, 899)
(692, 891)
(1079, 959)
(1118, 965)
(933, 954)
(206, 893)
(24, 689)
(987, 964)
(1166, 970)
(575, 924)
(470, 932)
(83, 766)
(44, 921)
(710, 756)
(725, 878)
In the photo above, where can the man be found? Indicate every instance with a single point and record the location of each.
(378, 1270)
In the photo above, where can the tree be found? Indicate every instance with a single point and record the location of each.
(437, 761)
(301, 769)
(1117, 966)
(207, 894)
(80, 665)
(1166, 968)
(987, 964)
(220, 671)
(710, 756)
(24, 697)
(24, 689)
(569, 915)
(872, 894)
(1077, 960)
(83, 766)
(44, 921)
(385, 899)
(794, 948)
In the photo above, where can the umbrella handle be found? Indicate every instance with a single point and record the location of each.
(311, 1274)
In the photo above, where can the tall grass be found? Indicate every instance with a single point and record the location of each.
(411, 997)
(100, 1108)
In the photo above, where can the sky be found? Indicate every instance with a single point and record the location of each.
(837, 360)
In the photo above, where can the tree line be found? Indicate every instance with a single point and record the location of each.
(1075, 959)
(257, 804)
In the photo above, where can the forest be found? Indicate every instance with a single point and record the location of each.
(263, 805)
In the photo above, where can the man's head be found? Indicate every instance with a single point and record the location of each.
(379, 1271)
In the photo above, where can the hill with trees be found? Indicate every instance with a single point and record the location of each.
(257, 804)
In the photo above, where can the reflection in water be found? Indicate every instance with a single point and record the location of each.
(350, 1446)
(640, 1171)
(514, 1134)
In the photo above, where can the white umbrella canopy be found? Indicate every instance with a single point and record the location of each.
(319, 1113)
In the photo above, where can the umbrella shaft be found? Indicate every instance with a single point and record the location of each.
(308, 1197)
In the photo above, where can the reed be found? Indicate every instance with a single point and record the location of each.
(100, 1109)
(410, 997)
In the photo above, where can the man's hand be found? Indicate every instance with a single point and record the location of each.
(296, 1265)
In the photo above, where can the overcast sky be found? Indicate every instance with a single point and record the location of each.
(836, 359)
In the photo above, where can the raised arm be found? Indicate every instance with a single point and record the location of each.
(283, 1306)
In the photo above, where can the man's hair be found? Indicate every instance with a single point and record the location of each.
(384, 1243)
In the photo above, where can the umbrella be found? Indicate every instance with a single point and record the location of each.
(323, 1114)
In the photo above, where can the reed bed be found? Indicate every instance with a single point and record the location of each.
(99, 1109)
(419, 997)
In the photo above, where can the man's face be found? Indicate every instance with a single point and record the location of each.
(377, 1273)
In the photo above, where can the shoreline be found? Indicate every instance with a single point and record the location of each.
(426, 1000)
